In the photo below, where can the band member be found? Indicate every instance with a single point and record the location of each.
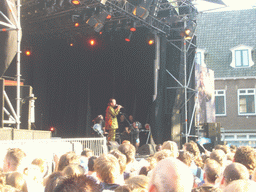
(111, 123)
(99, 125)
(135, 135)
(124, 128)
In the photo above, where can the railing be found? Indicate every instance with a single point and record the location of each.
(47, 148)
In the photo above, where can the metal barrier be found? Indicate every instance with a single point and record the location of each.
(47, 148)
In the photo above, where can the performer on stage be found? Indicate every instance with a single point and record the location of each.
(111, 119)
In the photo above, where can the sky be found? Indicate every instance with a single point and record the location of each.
(231, 5)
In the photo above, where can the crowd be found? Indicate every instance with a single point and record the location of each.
(169, 169)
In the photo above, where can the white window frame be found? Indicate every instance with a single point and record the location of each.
(241, 48)
(246, 93)
(219, 94)
(202, 54)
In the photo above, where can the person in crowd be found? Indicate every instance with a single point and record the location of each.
(122, 162)
(131, 119)
(34, 178)
(185, 157)
(91, 171)
(51, 181)
(123, 188)
(158, 147)
(68, 158)
(111, 123)
(246, 155)
(192, 147)
(224, 148)
(129, 151)
(78, 183)
(17, 180)
(241, 185)
(172, 146)
(197, 163)
(160, 155)
(219, 156)
(233, 171)
(85, 155)
(73, 169)
(14, 160)
(212, 171)
(138, 183)
(108, 170)
(170, 174)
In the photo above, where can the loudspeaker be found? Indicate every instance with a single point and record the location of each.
(147, 149)
(112, 145)
(213, 132)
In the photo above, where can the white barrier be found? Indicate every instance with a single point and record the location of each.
(46, 148)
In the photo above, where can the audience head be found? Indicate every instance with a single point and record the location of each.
(107, 168)
(123, 188)
(129, 151)
(87, 153)
(241, 185)
(234, 171)
(14, 160)
(185, 157)
(121, 159)
(138, 183)
(246, 155)
(219, 156)
(172, 146)
(224, 148)
(158, 147)
(75, 183)
(171, 174)
(160, 155)
(73, 169)
(17, 180)
(212, 171)
(52, 180)
(91, 162)
(67, 159)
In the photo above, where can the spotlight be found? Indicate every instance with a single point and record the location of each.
(92, 42)
(128, 39)
(75, 2)
(142, 10)
(133, 27)
(28, 51)
(150, 39)
(97, 21)
(53, 131)
(77, 24)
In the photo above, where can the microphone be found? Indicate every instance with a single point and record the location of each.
(118, 105)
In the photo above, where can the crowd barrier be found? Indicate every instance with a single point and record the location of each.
(47, 148)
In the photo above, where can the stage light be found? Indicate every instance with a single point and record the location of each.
(108, 17)
(53, 131)
(128, 39)
(92, 42)
(142, 10)
(75, 2)
(28, 52)
(77, 24)
(97, 21)
(71, 44)
(151, 41)
(133, 27)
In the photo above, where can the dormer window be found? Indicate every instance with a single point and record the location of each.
(200, 57)
(241, 57)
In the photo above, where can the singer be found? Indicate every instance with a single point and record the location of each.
(111, 123)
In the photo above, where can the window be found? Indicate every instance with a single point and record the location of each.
(220, 102)
(199, 58)
(241, 56)
(246, 101)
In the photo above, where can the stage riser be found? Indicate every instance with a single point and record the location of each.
(20, 134)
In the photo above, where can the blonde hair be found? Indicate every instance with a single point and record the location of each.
(138, 183)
